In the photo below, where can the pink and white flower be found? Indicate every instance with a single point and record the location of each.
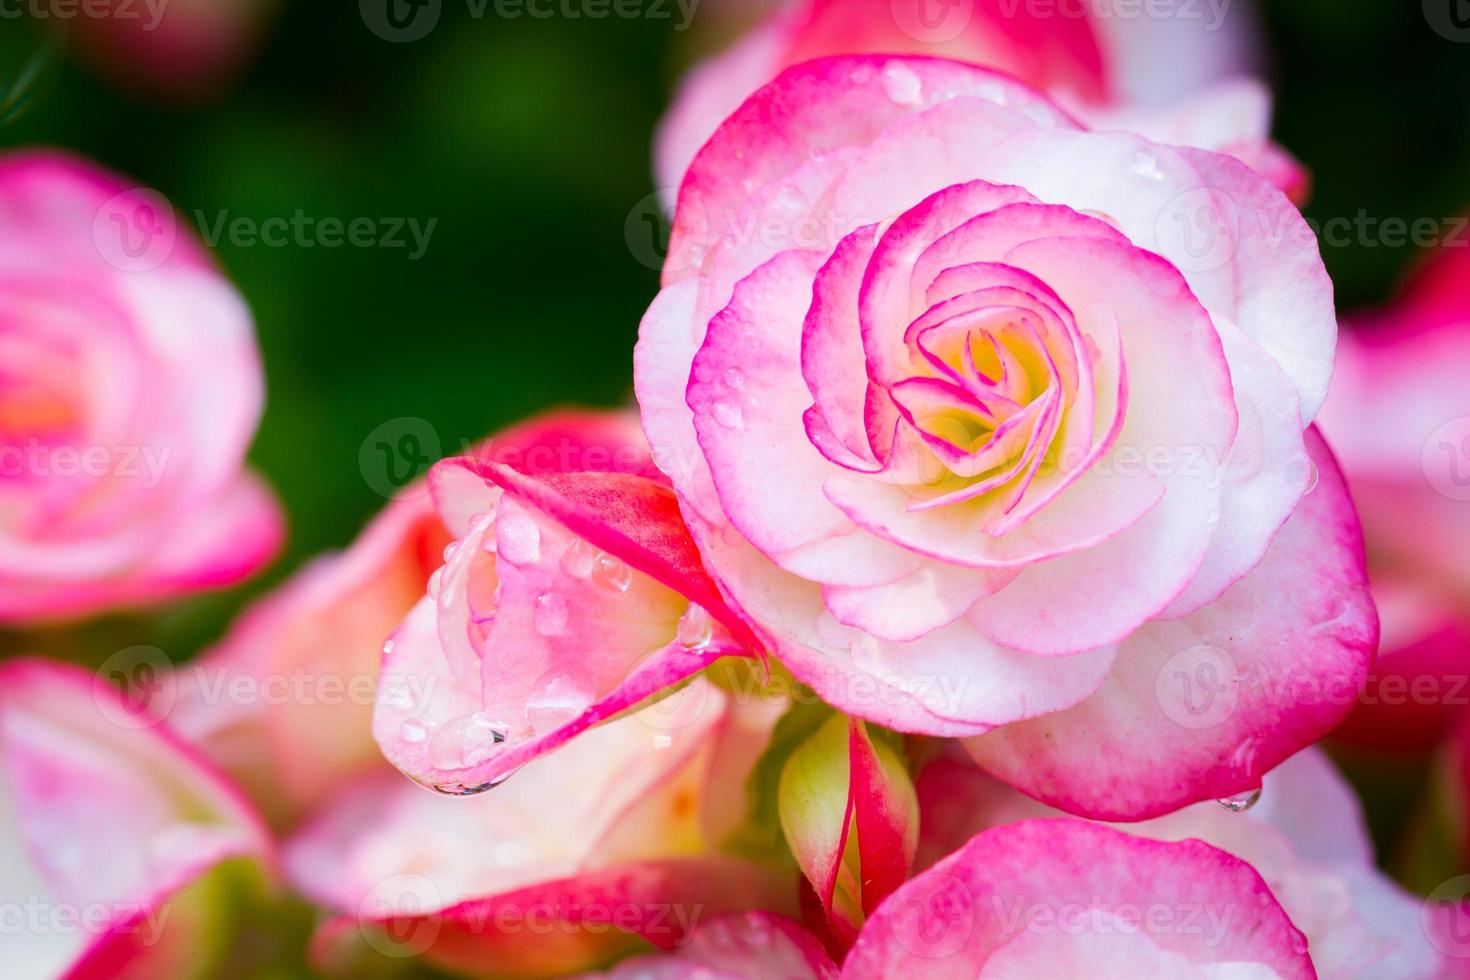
(1306, 836)
(1064, 898)
(570, 593)
(1034, 455)
(1172, 74)
(125, 854)
(129, 391)
(590, 853)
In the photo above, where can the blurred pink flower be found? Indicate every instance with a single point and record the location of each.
(1047, 480)
(177, 50)
(130, 387)
(128, 855)
(1399, 418)
(1173, 74)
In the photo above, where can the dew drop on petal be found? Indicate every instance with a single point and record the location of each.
(696, 629)
(434, 581)
(413, 731)
(1146, 164)
(611, 573)
(1241, 802)
(729, 415)
(902, 85)
(449, 550)
(550, 618)
(465, 741)
(519, 539)
(576, 561)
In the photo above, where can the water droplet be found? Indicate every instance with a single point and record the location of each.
(387, 648)
(465, 741)
(413, 731)
(1241, 802)
(1298, 943)
(550, 618)
(696, 628)
(1312, 479)
(520, 539)
(449, 550)
(734, 380)
(902, 85)
(576, 561)
(557, 702)
(1146, 164)
(487, 544)
(729, 414)
(611, 573)
(435, 580)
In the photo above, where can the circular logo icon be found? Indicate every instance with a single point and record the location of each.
(135, 231)
(396, 916)
(1199, 229)
(1198, 688)
(135, 688)
(932, 21)
(1446, 459)
(401, 21)
(1450, 19)
(648, 232)
(674, 711)
(934, 916)
(1445, 917)
(397, 453)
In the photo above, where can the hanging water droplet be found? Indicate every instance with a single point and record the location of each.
(1146, 164)
(387, 648)
(465, 741)
(1312, 479)
(413, 731)
(435, 580)
(520, 539)
(1241, 802)
(449, 550)
(576, 561)
(729, 415)
(696, 628)
(902, 85)
(550, 617)
(611, 573)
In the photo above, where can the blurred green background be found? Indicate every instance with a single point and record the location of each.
(528, 141)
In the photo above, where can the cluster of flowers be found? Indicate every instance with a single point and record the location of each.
(965, 596)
